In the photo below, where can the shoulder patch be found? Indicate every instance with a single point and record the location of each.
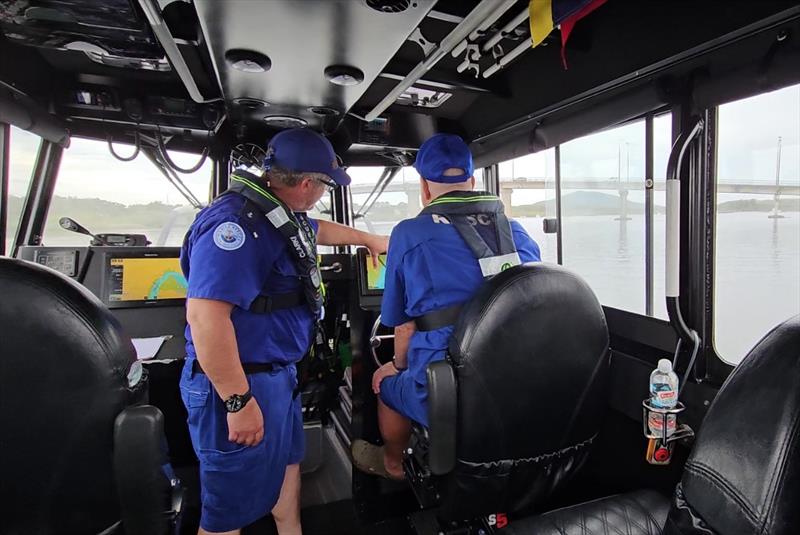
(229, 236)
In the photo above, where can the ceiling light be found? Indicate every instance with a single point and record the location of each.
(248, 60)
(344, 75)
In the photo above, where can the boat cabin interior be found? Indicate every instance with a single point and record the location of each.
(651, 149)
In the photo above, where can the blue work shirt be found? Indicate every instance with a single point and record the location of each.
(233, 254)
(429, 267)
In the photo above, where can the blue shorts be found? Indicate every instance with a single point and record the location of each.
(404, 395)
(240, 484)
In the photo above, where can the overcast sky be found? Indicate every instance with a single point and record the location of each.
(748, 142)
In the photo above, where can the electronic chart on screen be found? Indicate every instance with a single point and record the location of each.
(143, 280)
(371, 279)
(376, 276)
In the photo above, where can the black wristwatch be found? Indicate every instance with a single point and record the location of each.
(236, 402)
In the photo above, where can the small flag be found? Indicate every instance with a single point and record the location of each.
(548, 14)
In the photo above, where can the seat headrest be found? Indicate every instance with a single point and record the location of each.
(66, 366)
(743, 475)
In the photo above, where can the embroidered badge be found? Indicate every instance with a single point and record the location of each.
(229, 236)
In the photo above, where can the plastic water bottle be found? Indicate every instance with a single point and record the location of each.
(663, 395)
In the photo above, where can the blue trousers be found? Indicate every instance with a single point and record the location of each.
(241, 484)
(404, 395)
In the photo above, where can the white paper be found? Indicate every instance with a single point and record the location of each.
(146, 348)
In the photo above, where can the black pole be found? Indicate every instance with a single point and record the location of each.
(5, 145)
(220, 174)
(40, 193)
(341, 211)
(559, 239)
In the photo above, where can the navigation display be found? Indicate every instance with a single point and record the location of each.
(143, 280)
(371, 279)
(376, 276)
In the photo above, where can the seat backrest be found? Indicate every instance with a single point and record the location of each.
(67, 372)
(531, 357)
(743, 476)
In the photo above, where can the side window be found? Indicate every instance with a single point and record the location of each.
(528, 191)
(24, 147)
(602, 208)
(106, 195)
(757, 249)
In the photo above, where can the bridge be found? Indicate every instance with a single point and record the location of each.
(759, 187)
(622, 188)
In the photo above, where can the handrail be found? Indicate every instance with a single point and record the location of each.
(673, 230)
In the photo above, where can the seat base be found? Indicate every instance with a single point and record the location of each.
(642, 512)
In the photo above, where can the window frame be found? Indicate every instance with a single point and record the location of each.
(717, 369)
(5, 190)
(5, 172)
(649, 214)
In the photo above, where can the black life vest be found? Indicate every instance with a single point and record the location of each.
(475, 216)
(299, 235)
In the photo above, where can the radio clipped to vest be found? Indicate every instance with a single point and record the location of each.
(468, 211)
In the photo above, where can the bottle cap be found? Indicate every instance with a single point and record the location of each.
(664, 366)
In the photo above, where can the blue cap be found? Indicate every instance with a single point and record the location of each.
(440, 153)
(304, 151)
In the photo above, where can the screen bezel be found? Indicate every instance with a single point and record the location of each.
(362, 257)
(106, 284)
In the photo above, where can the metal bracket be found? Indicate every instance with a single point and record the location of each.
(471, 59)
(418, 38)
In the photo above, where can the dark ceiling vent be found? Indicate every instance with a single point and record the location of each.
(323, 110)
(250, 103)
(390, 6)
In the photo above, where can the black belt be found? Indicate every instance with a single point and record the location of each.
(249, 367)
(264, 304)
(438, 318)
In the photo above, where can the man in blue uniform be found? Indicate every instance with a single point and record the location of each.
(254, 299)
(436, 262)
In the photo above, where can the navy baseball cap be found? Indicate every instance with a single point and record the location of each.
(440, 153)
(304, 151)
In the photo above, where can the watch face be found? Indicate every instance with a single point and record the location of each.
(234, 404)
(237, 401)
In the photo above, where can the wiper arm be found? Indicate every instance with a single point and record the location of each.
(172, 177)
(383, 182)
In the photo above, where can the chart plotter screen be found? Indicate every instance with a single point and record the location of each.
(144, 280)
(376, 276)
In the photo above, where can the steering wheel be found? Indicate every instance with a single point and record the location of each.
(376, 339)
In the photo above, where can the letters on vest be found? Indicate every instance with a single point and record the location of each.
(295, 228)
(466, 210)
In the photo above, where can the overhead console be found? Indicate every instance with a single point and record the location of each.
(91, 101)
(396, 136)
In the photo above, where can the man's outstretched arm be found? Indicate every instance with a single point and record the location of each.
(331, 233)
